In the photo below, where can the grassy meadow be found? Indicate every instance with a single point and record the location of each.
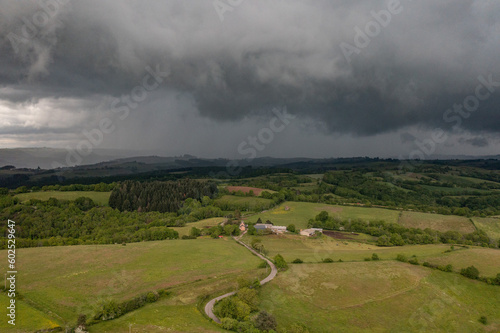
(436, 222)
(233, 202)
(380, 297)
(202, 224)
(101, 198)
(299, 213)
(312, 250)
(487, 261)
(490, 225)
(28, 319)
(69, 280)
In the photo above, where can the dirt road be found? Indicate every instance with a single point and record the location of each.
(209, 307)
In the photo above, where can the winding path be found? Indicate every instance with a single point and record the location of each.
(209, 307)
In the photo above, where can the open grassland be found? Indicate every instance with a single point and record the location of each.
(246, 189)
(299, 213)
(178, 313)
(233, 202)
(490, 225)
(28, 319)
(380, 297)
(436, 222)
(487, 261)
(454, 190)
(76, 279)
(314, 250)
(315, 175)
(202, 224)
(101, 198)
(162, 316)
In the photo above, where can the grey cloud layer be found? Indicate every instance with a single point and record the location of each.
(266, 53)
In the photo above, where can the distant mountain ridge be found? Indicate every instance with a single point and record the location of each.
(46, 158)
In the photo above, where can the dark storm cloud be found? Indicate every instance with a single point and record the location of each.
(263, 54)
(476, 142)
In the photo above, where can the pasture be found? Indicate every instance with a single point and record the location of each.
(312, 250)
(299, 213)
(245, 189)
(436, 222)
(487, 261)
(232, 202)
(100, 198)
(70, 280)
(202, 224)
(380, 297)
(28, 318)
(490, 225)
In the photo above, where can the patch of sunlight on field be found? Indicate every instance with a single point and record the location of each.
(28, 319)
(101, 198)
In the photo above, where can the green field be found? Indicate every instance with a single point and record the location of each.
(162, 316)
(233, 202)
(315, 175)
(436, 222)
(69, 280)
(28, 319)
(299, 213)
(380, 297)
(314, 250)
(207, 223)
(487, 261)
(101, 198)
(490, 225)
(177, 313)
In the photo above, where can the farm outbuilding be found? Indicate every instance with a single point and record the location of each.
(310, 232)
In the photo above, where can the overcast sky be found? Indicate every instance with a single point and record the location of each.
(359, 78)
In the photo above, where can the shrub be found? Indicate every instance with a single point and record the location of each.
(413, 261)
(232, 307)
(194, 232)
(188, 237)
(280, 262)
(265, 321)
(448, 268)
(483, 320)
(297, 261)
(402, 258)
(152, 297)
(291, 228)
(262, 264)
(229, 323)
(375, 257)
(427, 264)
(250, 297)
(340, 260)
(471, 272)
(368, 259)
(327, 260)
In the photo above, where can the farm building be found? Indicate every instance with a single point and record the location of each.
(243, 226)
(277, 229)
(310, 232)
(261, 226)
(274, 228)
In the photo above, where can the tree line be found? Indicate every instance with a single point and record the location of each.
(159, 196)
(392, 234)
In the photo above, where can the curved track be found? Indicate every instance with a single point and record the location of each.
(209, 307)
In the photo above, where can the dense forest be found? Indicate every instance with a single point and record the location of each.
(159, 196)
